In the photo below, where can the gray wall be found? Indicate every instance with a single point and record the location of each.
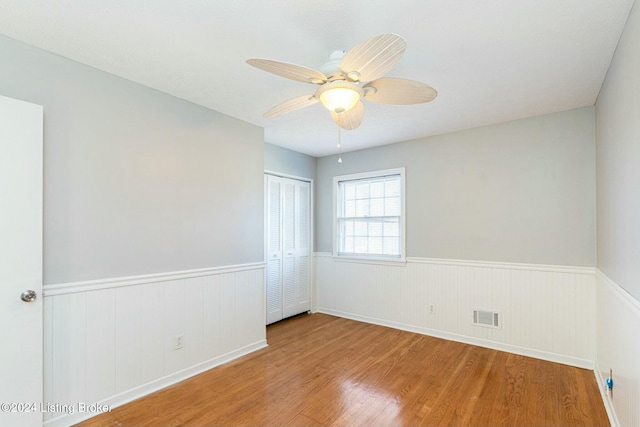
(278, 159)
(618, 162)
(136, 181)
(522, 191)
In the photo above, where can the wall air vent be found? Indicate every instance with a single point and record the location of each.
(489, 319)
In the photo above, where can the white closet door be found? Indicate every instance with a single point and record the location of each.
(274, 250)
(288, 240)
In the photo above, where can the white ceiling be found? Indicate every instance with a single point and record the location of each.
(491, 61)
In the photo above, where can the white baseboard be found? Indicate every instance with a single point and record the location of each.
(160, 383)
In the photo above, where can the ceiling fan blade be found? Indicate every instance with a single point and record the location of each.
(391, 90)
(373, 58)
(290, 71)
(291, 105)
(350, 119)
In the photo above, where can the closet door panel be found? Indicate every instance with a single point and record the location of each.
(274, 250)
(289, 240)
(303, 222)
(303, 265)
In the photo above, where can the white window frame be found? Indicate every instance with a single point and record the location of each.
(374, 257)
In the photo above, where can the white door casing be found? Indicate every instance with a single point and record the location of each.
(21, 173)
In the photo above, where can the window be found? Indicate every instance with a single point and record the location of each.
(369, 215)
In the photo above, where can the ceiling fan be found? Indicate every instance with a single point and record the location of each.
(348, 78)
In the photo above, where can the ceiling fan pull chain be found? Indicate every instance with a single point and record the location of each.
(339, 141)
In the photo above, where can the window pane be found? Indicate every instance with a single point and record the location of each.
(362, 190)
(377, 189)
(392, 206)
(392, 187)
(349, 190)
(391, 246)
(375, 229)
(391, 229)
(375, 245)
(360, 245)
(361, 228)
(349, 208)
(362, 207)
(348, 228)
(376, 207)
(348, 245)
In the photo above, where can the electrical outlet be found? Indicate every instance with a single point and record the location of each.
(178, 342)
(609, 381)
(432, 309)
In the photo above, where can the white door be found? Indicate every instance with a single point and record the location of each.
(20, 263)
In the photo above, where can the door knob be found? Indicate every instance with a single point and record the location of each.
(28, 296)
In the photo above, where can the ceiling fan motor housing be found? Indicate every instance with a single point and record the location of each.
(331, 68)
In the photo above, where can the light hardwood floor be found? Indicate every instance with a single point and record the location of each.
(324, 370)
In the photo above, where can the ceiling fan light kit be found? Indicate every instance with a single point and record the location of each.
(348, 78)
(339, 95)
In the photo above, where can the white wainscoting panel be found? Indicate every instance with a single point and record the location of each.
(618, 349)
(112, 341)
(546, 312)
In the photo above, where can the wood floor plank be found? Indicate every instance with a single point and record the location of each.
(329, 371)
